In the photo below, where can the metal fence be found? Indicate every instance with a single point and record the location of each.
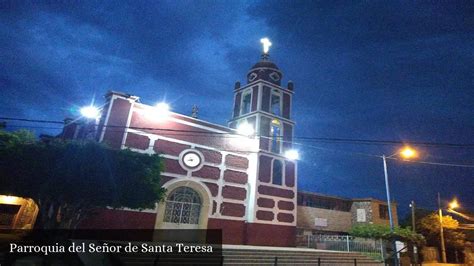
(371, 247)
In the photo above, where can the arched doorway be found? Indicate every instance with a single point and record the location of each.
(186, 206)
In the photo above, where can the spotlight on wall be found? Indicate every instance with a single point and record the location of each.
(162, 107)
(90, 112)
(161, 111)
(245, 129)
(292, 155)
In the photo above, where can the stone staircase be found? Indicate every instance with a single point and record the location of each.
(253, 255)
(246, 255)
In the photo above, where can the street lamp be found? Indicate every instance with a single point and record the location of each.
(453, 204)
(406, 153)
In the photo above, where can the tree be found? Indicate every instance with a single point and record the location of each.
(378, 231)
(429, 226)
(69, 180)
(9, 139)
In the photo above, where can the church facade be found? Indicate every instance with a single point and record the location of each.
(217, 177)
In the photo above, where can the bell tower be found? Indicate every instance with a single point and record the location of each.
(265, 105)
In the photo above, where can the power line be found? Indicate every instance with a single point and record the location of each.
(303, 145)
(436, 163)
(302, 138)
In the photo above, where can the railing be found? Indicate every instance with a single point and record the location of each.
(320, 262)
(370, 247)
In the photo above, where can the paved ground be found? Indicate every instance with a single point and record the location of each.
(442, 264)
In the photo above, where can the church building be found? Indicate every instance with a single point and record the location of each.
(241, 178)
(235, 178)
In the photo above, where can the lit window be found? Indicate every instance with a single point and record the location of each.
(275, 136)
(246, 103)
(275, 103)
(277, 172)
(183, 206)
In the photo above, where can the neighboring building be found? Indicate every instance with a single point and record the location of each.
(323, 214)
(17, 213)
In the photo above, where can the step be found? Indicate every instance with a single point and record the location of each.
(294, 253)
(352, 256)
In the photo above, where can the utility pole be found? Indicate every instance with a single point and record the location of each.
(413, 226)
(389, 202)
(441, 232)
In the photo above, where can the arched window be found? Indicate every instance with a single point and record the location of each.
(183, 206)
(277, 172)
(275, 131)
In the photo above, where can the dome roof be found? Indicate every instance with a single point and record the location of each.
(265, 64)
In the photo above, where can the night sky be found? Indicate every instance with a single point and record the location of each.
(371, 70)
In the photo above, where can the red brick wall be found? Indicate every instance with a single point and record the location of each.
(237, 193)
(271, 235)
(286, 217)
(273, 191)
(214, 188)
(232, 209)
(137, 141)
(119, 219)
(235, 177)
(265, 202)
(232, 231)
(265, 215)
(211, 156)
(168, 147)
(208, 172)
(236, 161)
(241, 233)
(286, 205)
(289, 174)
(117, 122)
(264, 168)
(173, 166)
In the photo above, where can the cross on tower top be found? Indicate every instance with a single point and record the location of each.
(266, 45)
